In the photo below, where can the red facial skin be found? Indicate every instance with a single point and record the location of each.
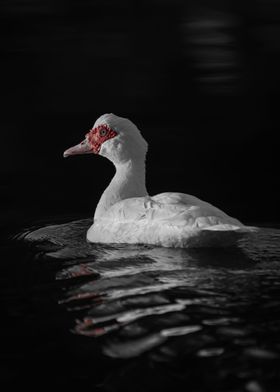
(99, 135)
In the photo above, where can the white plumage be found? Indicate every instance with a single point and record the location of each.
(127, 214)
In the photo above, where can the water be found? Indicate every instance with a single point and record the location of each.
(117, 318)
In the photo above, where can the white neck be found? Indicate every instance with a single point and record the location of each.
(129, 181)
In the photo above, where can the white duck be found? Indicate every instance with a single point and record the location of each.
(127, 214)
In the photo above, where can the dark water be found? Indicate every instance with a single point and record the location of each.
(122, 318)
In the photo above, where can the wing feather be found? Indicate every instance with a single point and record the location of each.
(176, 209)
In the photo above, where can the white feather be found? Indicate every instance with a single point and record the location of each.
(126, 214)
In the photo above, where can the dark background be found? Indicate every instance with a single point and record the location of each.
(199, 78)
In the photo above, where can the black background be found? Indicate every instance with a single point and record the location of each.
(199, 78)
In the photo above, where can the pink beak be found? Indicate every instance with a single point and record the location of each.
(81, 148)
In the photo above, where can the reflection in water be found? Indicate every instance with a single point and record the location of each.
(213, 50)
(169, 302)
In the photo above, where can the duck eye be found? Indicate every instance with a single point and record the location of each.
(103, 132)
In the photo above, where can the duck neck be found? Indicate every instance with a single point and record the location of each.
(128, 181)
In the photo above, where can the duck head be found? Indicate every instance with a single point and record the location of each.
(113, 137)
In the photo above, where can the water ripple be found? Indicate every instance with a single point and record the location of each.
(169, 304)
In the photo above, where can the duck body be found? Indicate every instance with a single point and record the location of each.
(127, 214)
(168, 219)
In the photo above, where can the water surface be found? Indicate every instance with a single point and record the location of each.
(142, 317)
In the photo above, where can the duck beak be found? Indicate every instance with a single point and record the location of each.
(81, 148)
